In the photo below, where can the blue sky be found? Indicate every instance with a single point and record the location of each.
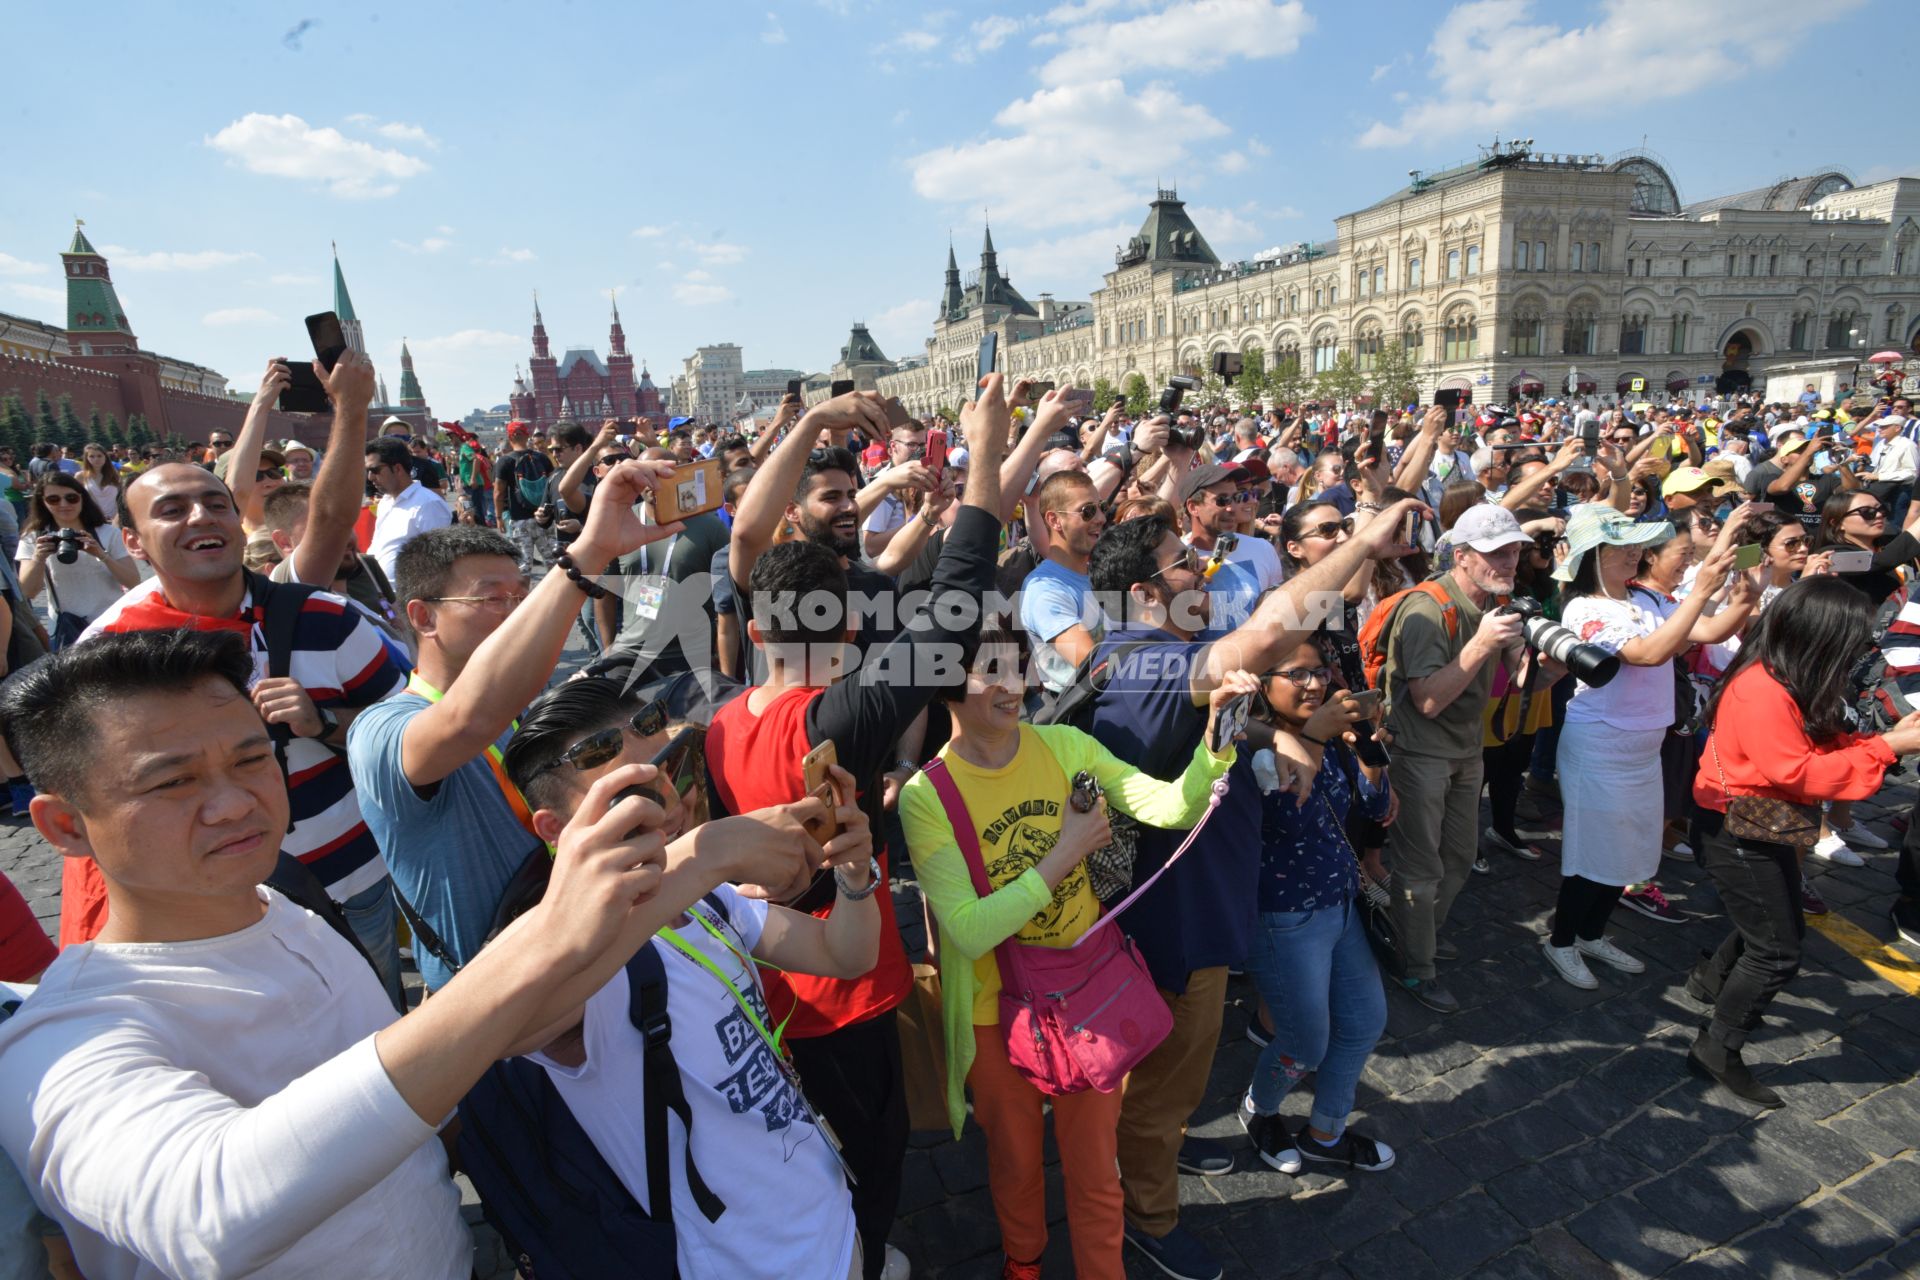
(767, 173)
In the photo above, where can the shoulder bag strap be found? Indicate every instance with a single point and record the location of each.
(647, 1010)
(969, 841)
(1213, 802)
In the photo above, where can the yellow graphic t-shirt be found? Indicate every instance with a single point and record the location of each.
(1016, 812)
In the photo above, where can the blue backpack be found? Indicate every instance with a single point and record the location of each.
(561, 1209)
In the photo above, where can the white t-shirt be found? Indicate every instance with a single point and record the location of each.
(1637, 697)
(891, 514)
(217, 1107)
(1259, 555)
(756, 1146)
(86, 587)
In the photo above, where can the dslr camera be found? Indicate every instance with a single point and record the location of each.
(1177, 387)
(69, 549)
(1551, 640)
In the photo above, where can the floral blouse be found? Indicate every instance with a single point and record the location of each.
(1306, 862)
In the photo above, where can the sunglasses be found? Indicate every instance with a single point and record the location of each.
(1189, 560)
(1086, 510)
(61, 499)
(1329, 529)
(597, 749)
(1874, 512)
(1301, 677)
(1794, 544)
(1247, 495)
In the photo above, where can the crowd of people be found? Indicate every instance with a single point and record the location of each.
(1124, 703)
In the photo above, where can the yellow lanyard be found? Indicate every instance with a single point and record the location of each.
(687, 949)
(522, 812)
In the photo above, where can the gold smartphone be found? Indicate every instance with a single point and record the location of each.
(818, 781)
(693, 489)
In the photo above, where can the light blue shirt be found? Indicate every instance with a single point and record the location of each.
(1055, 599)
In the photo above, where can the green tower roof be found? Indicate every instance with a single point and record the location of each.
(342, 304)
(80, 244)
(92, 304)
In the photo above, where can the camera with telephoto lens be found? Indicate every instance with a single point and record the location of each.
(1177, 387)
(69, 546)
(1551, 640)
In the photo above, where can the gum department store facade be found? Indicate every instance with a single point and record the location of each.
(1518, 269)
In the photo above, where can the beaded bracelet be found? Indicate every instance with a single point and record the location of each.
(593, 589)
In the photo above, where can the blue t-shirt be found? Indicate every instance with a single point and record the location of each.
(1306, 861)
(451, 853)
(1055, 599)
(1232, 592)
(1202, 913)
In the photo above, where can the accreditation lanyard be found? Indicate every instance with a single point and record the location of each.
(515, 801)
(772, 1039)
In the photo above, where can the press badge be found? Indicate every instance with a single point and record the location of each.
(647, 595)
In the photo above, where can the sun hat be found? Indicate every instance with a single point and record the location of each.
(1486, 528)
(1691, 479)
(1595, 524)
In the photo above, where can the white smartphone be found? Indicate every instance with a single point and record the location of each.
(1852, 561)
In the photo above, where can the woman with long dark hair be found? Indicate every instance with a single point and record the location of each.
(70, 548)
(1855, 520)
(1780, 728)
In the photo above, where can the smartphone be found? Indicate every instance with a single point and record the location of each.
(793, 386)
(1409, 530)
(1590, 439)
(1079, 402)
(1747, 556)
(897, 415)
(1230, 723)
(678, 762)
(936, 459)
(1447, 398)
(693, 489)
(304, 394)
(840, 387)
(329, 339)
(1037, 389)
(1377, 445)
(989, 356)
(1759, 507)
(1368, 700)
(1852, 561)
(818, 781)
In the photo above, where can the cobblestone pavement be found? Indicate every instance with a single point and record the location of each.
(1542, 1132)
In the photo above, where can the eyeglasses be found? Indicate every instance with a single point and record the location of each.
(61, 499)
(1086, 510)
(1189, 560)
(1247, 495)
(1301, 677)
(258, 476)
(1221, 500)
(504, 603)
(1329, 529)
(597, 749)
(1793, 544)
(1874, 512)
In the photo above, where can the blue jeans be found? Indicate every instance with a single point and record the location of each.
(370, 913)
(1318, 978)
(480, 498)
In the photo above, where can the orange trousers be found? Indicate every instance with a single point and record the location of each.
(1086, 1128)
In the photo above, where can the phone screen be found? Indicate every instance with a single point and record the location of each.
(793, 386)
(841, 387)
(989, 354)
(329, 339)
(1231, 722)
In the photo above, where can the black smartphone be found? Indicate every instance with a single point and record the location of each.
(329, 339)
(841, 387)
(679, 764)
(793, 386)
(1231, 723)
(1447, 398)
(989, 356)
(304, 394)
(1590, 438)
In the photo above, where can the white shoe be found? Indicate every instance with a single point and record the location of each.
(1858, 836)
(1567, 963)
(897, 1267)
(1603, 950)
(1835, 850)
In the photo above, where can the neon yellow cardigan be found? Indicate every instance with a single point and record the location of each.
(971, 926)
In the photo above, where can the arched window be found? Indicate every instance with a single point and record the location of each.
(1412, 335)
(1287, 353)
(1319, 297)
(1539, 255)
(1473, 259)
(1453, 264)
(1677, 336)
(1579, 257)
(1324, 350)
(1800, 336)
(1293, 301)
(1367, 347)
(1379, 279)
(1528, 333)
(1593, 257)
(1837, 330)
(1581, 336)
(1520, 255)
(1633, 335)
(1461, 336)
(1413, 273)
(1894, 313)
(1333, 295)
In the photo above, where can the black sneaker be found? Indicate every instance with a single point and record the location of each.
(1205, 1157)
(1444, 950)
(1272, 1141)
(1179, 1253)
(1906, 920)
(1430, 993)
(1349, 1151)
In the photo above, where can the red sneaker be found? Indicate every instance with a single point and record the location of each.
(1011, 1270)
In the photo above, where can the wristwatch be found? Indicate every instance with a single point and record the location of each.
(906, 766)
(328, 722)
(855, 895)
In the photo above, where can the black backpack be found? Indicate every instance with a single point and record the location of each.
(556, 1202)
(1073, 705)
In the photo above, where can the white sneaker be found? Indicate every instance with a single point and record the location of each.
(1603, 950)
(1834, 850)
(897, 1267)
(1679, 851)
(1858, 836)
(1567, 963)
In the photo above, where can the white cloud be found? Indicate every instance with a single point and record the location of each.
(292, 278)
(1071, 154)
(900, 116)
(903, 330)
(1190, 36)
(698, 289)
(1232, 162)
(1071, 259)
(39, 292)
(288, 147)
(394, 131)
(922, 39)
(507, 257)
(1223, 227)
(1661, 50)
(718, 253)
(12, 266)
(238, 315)
(464, 341)
(773, 33)
(649, 233)
(991, 32)
(431, 244)
(1258, 147)
(199, 260)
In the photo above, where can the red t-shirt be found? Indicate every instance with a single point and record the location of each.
(754, 761)
(25, 949)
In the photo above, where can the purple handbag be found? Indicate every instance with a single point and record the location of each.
(1077, 1017)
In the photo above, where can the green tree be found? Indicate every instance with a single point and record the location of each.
(1104, 394)
(139, 434)
(1395, 377)
(114, 435)
(1343, 383)
(96, 429)
(1137, 393)
(1286, 384)
(16, 426)
(1252, 382)
(73, 432)
(46, 421)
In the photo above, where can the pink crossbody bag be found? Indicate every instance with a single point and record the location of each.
(1077, 1017)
